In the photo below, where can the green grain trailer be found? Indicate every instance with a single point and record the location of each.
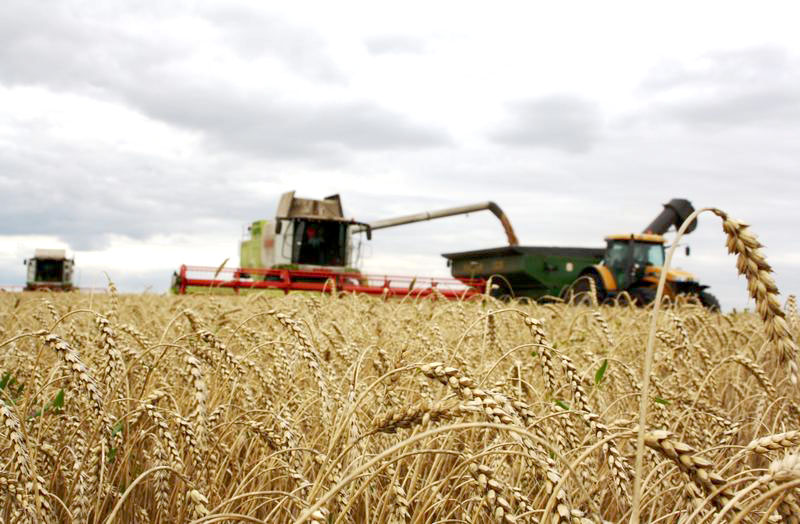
(531, 271)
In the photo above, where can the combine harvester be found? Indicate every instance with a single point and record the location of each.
(309, 247)
(49, 269)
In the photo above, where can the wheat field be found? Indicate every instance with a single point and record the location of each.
(318, 408)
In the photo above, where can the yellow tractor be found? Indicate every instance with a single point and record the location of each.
(633, 263)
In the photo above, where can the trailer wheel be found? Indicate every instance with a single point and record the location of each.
(500, 288)
(502, 292)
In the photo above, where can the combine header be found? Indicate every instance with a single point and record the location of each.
(325, 282)
(309, 247)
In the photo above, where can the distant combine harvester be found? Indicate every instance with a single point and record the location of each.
(49, 269)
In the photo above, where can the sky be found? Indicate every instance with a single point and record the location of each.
(141, 135)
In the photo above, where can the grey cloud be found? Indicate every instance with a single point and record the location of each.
(747, 87)
(255, 34)
(266, 127)
(760, 106)
(69, 44)
(394, 44)
(86, 54)
(99, 193)
(753, 66)
(563, 122)
(52, 45)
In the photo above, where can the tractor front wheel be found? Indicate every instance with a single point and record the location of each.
(709, 301)
(642, 296)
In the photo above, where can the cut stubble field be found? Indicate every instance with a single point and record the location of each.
(317, 408)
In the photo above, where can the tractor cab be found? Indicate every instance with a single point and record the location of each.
(49, 269)
(635, 262)
(630, 257)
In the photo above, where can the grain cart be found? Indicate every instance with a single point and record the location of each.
(630, 262)
(49, 269)
(309, 246)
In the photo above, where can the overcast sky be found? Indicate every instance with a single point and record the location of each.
(145, 134)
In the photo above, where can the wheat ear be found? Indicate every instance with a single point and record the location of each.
(752, 264)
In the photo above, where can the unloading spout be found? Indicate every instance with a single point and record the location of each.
(430, 215)
(674, 214)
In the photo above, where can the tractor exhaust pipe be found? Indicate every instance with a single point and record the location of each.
(674, 214)
(430, 215)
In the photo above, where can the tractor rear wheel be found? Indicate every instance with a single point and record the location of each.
(581, 289)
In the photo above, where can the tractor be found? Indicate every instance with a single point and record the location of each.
(633, 263)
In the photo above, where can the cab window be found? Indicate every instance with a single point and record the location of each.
(49, 270)
(617, 254)
(648, 254)
(320, 243)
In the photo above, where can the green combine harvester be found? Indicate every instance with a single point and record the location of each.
(312, 246)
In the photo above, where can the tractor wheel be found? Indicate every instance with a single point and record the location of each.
(709, 301)
(623, 299)
(642, 296)
(581, 290)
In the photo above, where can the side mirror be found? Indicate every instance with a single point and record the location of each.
(25, 262)
(369, 233)
(278, 227)
(688, 251)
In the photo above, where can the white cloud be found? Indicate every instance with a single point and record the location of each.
(394, 44)
(564, 122)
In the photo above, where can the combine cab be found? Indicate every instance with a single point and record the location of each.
(49, 269)
(306, 235)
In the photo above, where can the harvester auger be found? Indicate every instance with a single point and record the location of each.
(309, 247)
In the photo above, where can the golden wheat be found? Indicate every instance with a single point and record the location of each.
(325, 408)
